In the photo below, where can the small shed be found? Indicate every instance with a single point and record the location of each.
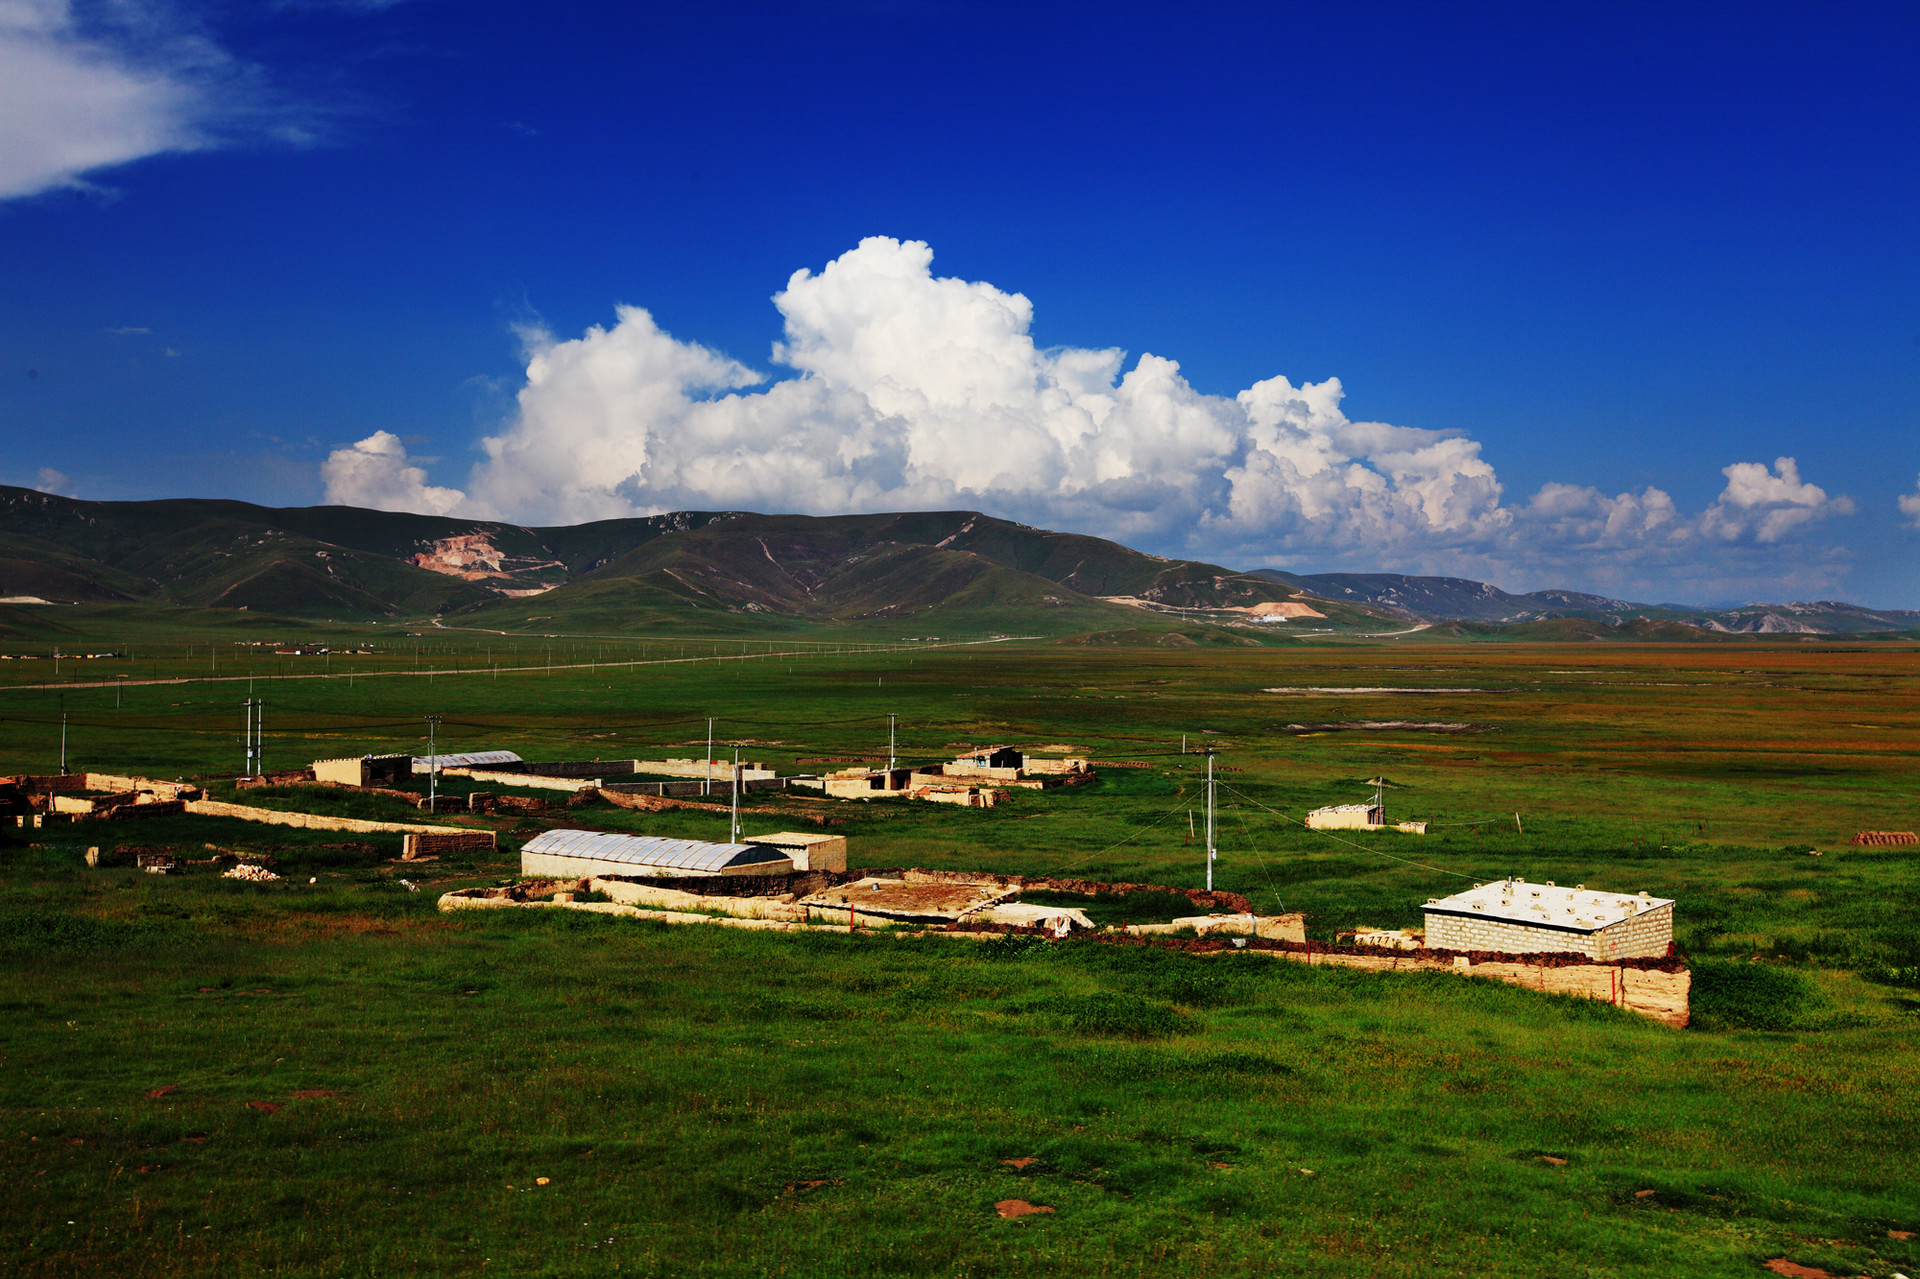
(1516, 917)
(365, 770)
(581, 854)
(808, 852)
(1347, 817)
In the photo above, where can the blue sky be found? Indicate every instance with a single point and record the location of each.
(1584, 275)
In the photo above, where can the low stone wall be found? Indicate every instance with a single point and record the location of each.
(159, 789)
(624, 797)
(1272, 927)
(309, 821)
(1651, 990)
(720, 769)
(418, 845)
(153, 808)
(41, 784)
(531, 781)
(657, 789)
(286, 777)
(795, 885)
(576, 768)
(630, 894)
(89, 804)
(461, 901)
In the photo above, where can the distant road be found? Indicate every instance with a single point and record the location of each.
(510, 670)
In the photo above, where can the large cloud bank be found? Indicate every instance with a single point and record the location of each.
(917, 392)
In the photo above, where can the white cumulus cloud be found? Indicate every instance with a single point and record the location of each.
(376, 473)
(1910, 505)
(1767, 505)
(912, 391)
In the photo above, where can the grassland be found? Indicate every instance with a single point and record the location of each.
(734, 1104)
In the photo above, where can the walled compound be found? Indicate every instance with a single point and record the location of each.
(979, 779)
(741, 886)
(34, 801)
(1359, 817)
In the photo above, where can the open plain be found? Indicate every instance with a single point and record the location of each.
(322, 1075)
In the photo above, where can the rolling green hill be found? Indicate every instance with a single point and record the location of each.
(724, 572)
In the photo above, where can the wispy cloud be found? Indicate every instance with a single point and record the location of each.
(128, 330)
(917, 392)
(86, 86)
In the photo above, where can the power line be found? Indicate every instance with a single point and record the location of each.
(1438, 870)
(1128, 840)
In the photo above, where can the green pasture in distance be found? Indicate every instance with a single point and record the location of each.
(1709, 774)
(685, 1078)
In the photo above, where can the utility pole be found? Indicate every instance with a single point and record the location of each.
(1211, 854)
(63, 742)
(246, 769)
(890, 739)
(260, 740)
(708, 789)
(433, 764)
(734, 836)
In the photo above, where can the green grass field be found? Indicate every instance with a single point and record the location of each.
(719, 1102)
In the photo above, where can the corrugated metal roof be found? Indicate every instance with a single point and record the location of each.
(647, 850)
(472, 759)
(1568, 910)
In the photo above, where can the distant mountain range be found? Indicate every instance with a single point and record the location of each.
(739, 572)
(1435, 599)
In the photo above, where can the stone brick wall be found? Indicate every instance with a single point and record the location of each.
(1650, 992)
(1645, 935)
(309, 821)
(1452, 932)
(415, 846)
(531, 781)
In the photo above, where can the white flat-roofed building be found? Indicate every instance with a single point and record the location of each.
(1347, 817)
(1522, 918)
(582, 854)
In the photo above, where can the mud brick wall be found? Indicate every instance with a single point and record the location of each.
(158, 808)
(575, 768)
(42, 784)
(415, 846)
(308, 821)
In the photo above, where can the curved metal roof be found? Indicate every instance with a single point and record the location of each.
(471, 759)
(650, 851)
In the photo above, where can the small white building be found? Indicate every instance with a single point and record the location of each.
(1347, 817)
(1520, 918)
